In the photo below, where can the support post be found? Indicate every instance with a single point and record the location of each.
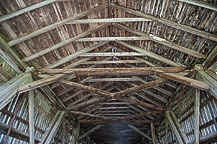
(167, 142)
(31, 117)
(196, 115)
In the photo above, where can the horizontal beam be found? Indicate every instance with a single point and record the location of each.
(111, 39)
(167, 22)
(108, 20)
(113, 62)
(113, 54)
(111, 79)
(114, 71)
(55, 25)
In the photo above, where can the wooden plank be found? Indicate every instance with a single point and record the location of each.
(25, 10)
(111, 79)
(63, 43)
(108, 20)
(88, 88)
(132, 38)
(114, 71)
(90, 131)
(39, 83)
(112, 62)
(211, 59)
(197, 117)
(140, 132)
(201, 4)
(161, 41)
(150, 54)
(167, 22)
(9, 90)
(87, 114)
(55, 25)
(140, 87)
(154, 139)
(75, 55)
(185, 80)
(31, 117)
(112, 54)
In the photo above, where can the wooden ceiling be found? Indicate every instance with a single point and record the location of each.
(115, 63)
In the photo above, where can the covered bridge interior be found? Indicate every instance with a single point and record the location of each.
(108, 71)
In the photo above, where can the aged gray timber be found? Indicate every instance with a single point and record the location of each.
(63, 43)
(197, 117)
(90, 131)
(201, 4)
(108, 20)
(167, 22)
(31, 117)
(111, 39)
(140, 132)
(55, 25)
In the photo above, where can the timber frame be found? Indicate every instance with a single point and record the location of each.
(108, 71)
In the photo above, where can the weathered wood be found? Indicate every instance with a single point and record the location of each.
(176, 127)
(201, 4)
(167, 22)
(108, 20)
(39, 83)
(140, 87)
(113, 54)
(140, 132)
(90, 131)
(114, 71)
(161, 41)
(52, 128)
(112, 62)
(88, 88)
(211, 59)
(63, 43)
(16, 133)
(185, 80)
(55, 25)
(87, 114)
(31, 117)
(154, 139)
(167, 136)
(132, 38)
(25, 10)
(111, 79)
(150, 54)
(9, 90)
(197, 117)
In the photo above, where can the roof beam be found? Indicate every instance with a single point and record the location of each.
(55, 25)
(112, 54)
(167, 22)
(114, 71)
(108, 20)
(25, 10)
(75, 55)
(201, 4)
(132, 38)
(150, 54)
(112, 62)
(63, 43)
(111, 79)
(161, 41)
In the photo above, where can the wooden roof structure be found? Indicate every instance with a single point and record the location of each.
(108, 71)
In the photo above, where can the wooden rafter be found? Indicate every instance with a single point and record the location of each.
(162, 41)
(63, 43)
(55, 25)
(167, 22)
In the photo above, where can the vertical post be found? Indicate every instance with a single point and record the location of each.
(31, 117)
(153, 134)
(166, 131)
(196, 116)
